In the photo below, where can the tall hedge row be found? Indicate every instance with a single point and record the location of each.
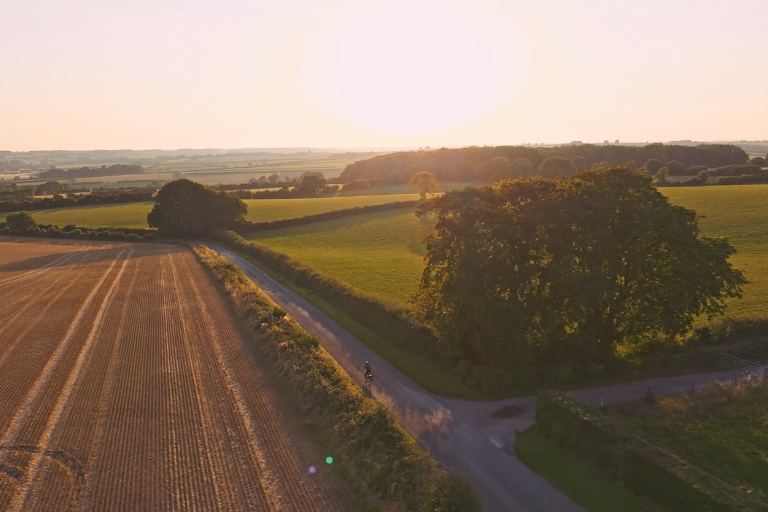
(378, 451)
(643, 467)
(389, 320)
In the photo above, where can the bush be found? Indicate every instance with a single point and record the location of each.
(383, 457)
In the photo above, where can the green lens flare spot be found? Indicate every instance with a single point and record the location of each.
(329, 460)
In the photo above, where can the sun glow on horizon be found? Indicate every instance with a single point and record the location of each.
(408, 70)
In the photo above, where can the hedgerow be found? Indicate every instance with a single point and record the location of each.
(81, 233)
(643, 467)
(379, 452)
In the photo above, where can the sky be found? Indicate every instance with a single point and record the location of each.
(165, 74)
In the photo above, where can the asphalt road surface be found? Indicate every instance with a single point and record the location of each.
(460, 434)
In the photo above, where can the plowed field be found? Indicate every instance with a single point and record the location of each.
(126, 383)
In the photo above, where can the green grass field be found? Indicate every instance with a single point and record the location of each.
(382, 253)
(738, 212)
(265, 210)
(134, 215)
(581, 480)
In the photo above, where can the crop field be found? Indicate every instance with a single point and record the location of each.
(134, 215)
(128, 384)
(382, 253)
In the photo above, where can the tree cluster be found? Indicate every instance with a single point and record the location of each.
(187, 208)
(573, 273)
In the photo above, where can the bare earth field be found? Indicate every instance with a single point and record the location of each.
(127, 384)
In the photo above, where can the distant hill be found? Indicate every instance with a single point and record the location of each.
(460, 165)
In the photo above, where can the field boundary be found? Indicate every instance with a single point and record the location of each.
(255, 227)
(644, 467)
(383, 457)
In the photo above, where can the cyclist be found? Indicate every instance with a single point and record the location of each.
(367, 370)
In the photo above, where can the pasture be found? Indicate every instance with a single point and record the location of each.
(134, 215)
(130, 384)
(382, 253)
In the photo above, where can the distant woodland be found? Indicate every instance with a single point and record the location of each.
(489, 164)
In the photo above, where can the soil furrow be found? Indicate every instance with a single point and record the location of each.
(261, 417)
(129, 384)
(65, 392)
(26, 408)
(84, 499)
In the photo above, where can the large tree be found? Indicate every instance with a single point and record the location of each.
(569, 271)
(425, 182)
(187, 208)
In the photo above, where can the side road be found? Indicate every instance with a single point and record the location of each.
(503, 482)
(461, 434)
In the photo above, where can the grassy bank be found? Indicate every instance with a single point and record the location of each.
(663, 473)
(582, 481)
(722, 430)
(380, 455)
(425, 372)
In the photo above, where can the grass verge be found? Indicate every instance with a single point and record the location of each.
(384, 459)
(421, 370)
(582, 481)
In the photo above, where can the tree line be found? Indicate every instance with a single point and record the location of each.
(502, 162)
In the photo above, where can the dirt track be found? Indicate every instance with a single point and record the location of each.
(127, 384)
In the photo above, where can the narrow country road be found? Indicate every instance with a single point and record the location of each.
(460, 434)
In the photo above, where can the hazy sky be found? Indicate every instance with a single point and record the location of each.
(138, 74)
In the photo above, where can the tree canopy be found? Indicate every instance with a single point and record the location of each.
(187, 208)
(571, 272)
(20, 221)
(556, 167)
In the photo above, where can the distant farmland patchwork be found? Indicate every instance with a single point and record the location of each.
(382, 253)
(128, 384)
